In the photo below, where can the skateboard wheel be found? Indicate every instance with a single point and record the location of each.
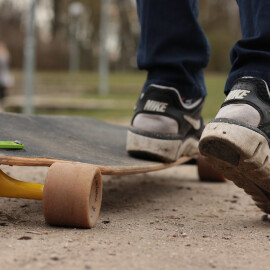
(72, 195)
(207, 173)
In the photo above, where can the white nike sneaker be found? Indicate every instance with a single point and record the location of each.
(237, 141)
(165, 126)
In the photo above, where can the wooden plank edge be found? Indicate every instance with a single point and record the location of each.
(105, 170)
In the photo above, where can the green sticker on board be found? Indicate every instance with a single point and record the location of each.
(11, 145)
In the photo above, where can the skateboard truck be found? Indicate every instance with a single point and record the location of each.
(11, 145)
(12, 188)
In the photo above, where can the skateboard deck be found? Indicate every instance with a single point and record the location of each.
(78, 151)
(48, 139)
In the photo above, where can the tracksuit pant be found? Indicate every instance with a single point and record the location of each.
(174, 49)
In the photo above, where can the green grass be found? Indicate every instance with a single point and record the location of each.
(215, 86)
(125, 87)
(103, 114)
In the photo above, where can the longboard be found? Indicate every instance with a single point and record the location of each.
(78, 151)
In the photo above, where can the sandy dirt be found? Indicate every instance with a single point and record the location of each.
(161, 220)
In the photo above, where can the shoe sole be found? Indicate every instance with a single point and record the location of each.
(160, 149)
(241, 155)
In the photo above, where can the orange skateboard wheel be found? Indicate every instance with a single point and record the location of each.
(72, 195)
(207, 173)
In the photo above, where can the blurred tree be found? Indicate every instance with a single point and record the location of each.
(220, 21)
(56, 21)
(11, 32)
(89, 32)
(128, 34)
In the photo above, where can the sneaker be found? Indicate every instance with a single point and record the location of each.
(165, 126)
(236, 142)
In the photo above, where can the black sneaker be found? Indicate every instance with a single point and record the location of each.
(165, 127)
(236, 142)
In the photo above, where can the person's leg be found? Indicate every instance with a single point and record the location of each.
(173, 49)
(237, 141)
(250, 56)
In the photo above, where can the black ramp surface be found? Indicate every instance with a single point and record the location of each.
(67, 138)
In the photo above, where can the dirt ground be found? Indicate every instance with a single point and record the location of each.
(161, 220)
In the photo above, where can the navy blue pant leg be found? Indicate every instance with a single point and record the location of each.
(250, 56)
(173, 48)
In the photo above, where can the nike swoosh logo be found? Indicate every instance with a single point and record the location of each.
(196, 123)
